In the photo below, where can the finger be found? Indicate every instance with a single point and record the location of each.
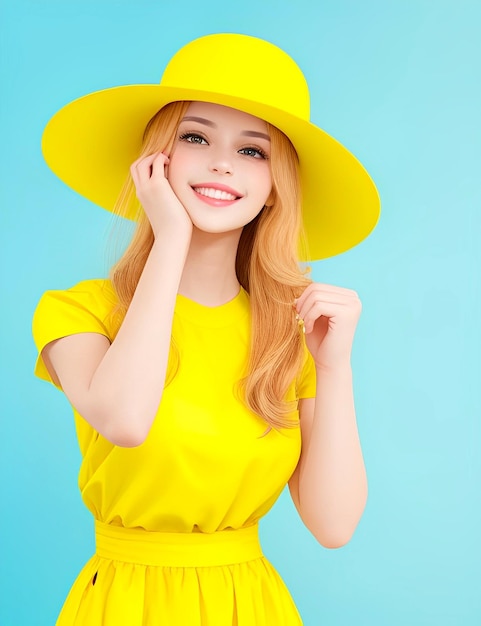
(143, 161)
(329, 287)
(145, 167)
(316, 312)
(160, 165)
(329, 299)
(141, 169)
(160, 160)
(329, 296)
(324, 288)
(346, 314)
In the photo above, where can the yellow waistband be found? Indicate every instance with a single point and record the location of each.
(134, 545)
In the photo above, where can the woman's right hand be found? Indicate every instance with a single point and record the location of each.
(164, 210)
(117, 386)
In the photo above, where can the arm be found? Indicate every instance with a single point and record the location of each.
(329, 485)
(117, 388)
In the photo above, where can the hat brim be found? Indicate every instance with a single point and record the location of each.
(91, 143)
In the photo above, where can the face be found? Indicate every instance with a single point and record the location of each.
(219, 166)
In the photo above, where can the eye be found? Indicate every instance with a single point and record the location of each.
(193, 138)
(256, 153)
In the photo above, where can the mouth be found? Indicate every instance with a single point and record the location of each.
(217, 192)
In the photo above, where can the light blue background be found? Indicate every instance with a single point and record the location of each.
(399, 84)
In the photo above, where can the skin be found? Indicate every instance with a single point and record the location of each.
(117, 387)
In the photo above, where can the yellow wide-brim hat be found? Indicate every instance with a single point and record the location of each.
(91, 142)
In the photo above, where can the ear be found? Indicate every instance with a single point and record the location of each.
(271, 198)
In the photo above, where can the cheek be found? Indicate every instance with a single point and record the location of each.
(265, 185)
(177, 171)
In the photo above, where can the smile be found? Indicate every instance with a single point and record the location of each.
(217, 192)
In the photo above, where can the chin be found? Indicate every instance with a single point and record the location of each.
(216, 226)
(216, 230)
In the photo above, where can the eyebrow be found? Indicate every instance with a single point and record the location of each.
(245, 133)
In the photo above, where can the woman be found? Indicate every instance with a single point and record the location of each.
(188, 371)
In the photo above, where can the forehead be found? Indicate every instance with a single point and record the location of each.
(220, 114)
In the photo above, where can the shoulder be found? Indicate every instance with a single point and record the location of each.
(97, 289)
(95, 295)
(87, 306)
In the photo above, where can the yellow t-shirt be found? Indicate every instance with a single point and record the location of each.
(204, 465)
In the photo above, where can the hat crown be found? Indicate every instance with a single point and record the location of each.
(240, 66)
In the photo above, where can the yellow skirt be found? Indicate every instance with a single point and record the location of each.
(142, 578)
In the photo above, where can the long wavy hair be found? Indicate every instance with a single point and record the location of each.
(267, 267)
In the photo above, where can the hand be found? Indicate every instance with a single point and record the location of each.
(329, 316)
(163, 208)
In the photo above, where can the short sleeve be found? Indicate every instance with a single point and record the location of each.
(306, 381)
(85, 308)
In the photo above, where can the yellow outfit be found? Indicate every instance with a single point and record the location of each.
(176, 517)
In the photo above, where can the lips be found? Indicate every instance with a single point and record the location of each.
(215, 194)
(215, 191)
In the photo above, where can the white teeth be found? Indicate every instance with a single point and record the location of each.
(216, 194)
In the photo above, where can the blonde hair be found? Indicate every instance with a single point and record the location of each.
(266, 266)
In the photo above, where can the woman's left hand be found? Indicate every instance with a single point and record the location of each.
(329, 315)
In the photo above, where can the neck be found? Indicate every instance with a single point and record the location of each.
(209, 275)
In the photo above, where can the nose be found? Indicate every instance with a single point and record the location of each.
(221, 164)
